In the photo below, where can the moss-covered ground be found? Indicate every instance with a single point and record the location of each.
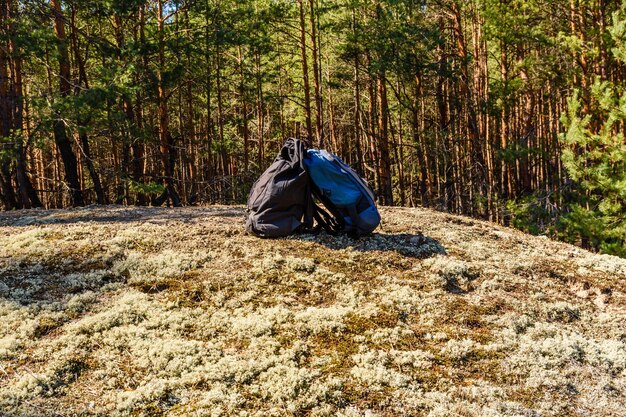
(178, 312)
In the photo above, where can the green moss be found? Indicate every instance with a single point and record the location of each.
(357, 324)
(339, 347)
(46, 324)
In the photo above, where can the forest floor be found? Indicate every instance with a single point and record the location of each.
(178, 312)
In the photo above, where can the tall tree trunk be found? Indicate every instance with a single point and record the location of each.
(244, 111)
(7, 191)
(23, 120)
(60, 135)
(220, 113)
(165, 137)
(190, 128)
(474, 153)
(316, 76)
(422, 159)
(357, 109)
(305, 74)
(383, 141)
(28, 195)
(371, 131)
(259, 110)
(209, 118)
(138, 148)
(528, 127)
(82, 134)
(505, 174)
(332, 128)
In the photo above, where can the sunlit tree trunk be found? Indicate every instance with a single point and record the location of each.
(305, 74)
(316, 76)
(383, 142)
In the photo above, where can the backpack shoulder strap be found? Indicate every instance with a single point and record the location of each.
(326, 221)
(332, 221)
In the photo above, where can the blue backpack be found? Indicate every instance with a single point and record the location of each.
(344, 193)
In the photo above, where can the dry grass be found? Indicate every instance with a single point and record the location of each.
(177, 312)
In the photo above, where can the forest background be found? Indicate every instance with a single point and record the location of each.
(507, 110)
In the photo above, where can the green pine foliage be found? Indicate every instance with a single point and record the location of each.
(534, 214)
(594, 155)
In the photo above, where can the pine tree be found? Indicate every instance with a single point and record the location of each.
(595, 157)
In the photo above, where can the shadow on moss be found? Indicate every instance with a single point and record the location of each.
(411, 245)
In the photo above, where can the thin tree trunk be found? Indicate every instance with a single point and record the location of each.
(244, 111)
(209, 128)
(23, 112)
(316, 77)
(421, 154)
(259, 110)
(383, 142)
(332, 128)
(27, 192)
(220, 114)
(305, 75)
(360, 169)
(165, 137)
(7, 192)
(192, 158)
(505, 175)
(60, 135)
(82, 134)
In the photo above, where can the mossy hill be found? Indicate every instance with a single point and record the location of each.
(178, 312)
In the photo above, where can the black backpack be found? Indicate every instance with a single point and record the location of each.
(281, 200)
